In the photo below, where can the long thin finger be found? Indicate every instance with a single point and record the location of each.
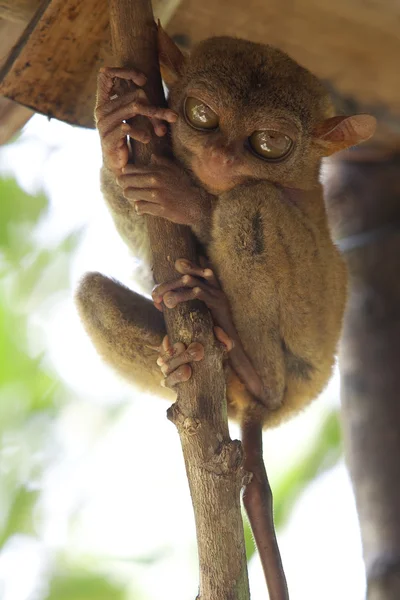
(139, 180)
(169, 351)
(166, 344)
(106, 80)
(132, 169)
(149, 208)
(129, 110)
(128, 97)
(183, 282)
(194, 352)
(160, 129)
(224, 338)
(171, 299)
(186, 267)
(180, 375)
(120, 132)
(123, 113)
(141, 194)
(116, 148)
(126, 74)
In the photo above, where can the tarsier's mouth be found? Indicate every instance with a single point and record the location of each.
(215, 177)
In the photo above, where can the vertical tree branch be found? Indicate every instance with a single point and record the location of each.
(364, 200)
(214, 463)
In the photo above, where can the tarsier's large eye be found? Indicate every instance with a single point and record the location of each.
(199, 115)
(270, 144)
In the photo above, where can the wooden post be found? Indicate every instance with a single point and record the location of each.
(214, 463)
(364, 201)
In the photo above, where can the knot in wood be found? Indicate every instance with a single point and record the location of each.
(228, 459)
(187, 425)
(190, 425)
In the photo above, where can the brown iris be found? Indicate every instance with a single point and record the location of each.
(199, 115)
(270, 144)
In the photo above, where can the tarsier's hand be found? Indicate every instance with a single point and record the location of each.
(196, 283)
(113, 110)
(174, 360)
(162, 189)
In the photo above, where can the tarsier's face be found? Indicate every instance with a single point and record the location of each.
(226, 148)
(248, 111)
(245, 116)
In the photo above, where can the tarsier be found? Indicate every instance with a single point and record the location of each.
(249, 128)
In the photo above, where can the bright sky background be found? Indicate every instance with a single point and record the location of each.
(124, 487)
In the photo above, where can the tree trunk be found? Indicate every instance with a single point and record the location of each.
(364, 201)
(214, 463)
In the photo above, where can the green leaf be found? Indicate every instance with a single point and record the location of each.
(18, 368)
(20, 516)
(17, 208)
(84, 586)
(323, 454)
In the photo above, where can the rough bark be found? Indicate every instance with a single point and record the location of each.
(214, 463)
(364, 200)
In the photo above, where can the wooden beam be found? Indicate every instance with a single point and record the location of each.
(19, 11)
(53, 67)
(13, 116)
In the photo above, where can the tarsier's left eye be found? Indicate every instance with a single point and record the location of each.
(270, 144)
(199, 115)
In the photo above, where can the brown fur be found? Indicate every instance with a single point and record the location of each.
(268, 241)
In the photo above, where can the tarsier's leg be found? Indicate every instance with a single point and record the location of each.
(129, 333)
(125, 328)
(243, 254)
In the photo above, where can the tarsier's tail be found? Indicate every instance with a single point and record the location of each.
(257, 500)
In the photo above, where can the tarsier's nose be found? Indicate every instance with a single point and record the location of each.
(222, 156)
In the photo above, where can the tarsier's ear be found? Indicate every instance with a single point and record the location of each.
(339, 133)
(172, 61)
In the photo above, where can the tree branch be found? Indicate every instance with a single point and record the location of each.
(214, 463)
(364, 201)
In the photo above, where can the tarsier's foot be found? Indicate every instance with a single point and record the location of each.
(197, 283)
(113, 109)
(174, 361)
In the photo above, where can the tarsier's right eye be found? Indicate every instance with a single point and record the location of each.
(270, 144)
(199, 115)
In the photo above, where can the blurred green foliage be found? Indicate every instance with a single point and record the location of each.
(83, 586)
(30, 393)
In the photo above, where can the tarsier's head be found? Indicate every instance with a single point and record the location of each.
(249, 111)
